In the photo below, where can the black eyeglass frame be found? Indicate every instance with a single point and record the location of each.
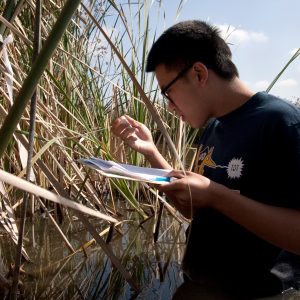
(180, 74)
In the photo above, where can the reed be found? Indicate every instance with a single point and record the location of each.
(92, 72)
(84, 81)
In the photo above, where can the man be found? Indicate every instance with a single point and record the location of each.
(243, 195)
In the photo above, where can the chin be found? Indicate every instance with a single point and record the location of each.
(197, 124)
(192, 125)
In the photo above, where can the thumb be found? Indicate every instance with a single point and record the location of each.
(132, 121)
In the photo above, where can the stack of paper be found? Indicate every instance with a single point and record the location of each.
(124, 171)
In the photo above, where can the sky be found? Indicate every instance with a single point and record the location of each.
(264, 36)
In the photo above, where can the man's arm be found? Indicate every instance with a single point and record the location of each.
(156, 160)
(277, 225)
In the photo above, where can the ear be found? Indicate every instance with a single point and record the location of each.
(201, 72)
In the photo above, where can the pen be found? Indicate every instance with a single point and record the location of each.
(166, 179)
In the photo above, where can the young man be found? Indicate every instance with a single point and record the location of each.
(244, 191)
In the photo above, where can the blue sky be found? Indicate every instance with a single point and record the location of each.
(264, 33)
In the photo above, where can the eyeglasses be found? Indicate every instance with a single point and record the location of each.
(164, 91)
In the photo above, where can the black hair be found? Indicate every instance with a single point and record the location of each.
(192, 41)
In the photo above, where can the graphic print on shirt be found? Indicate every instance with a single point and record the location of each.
(204, 159)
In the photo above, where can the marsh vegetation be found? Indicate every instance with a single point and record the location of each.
(90, 75)
(62, 84)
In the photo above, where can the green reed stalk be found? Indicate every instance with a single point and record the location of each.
(27, 90)
(297, 53)
(8, 12)
(35, 73)
(36, 49)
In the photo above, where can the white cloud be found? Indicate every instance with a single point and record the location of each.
(288, 89)
(239, 36)
(280, 84)
(261, 85)
(287, 83)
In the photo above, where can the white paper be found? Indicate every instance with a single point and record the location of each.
(112, 169)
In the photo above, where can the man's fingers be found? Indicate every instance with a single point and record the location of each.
(176, 174)
(127, 132)
(168, 187)
(122, 130)
(132, 122)
(176, 183)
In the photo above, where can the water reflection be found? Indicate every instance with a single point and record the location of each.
(55, 273)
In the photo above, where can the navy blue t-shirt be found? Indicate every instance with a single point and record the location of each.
(254, 150)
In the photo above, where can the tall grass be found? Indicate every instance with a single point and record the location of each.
(95, 74)
(86, 84)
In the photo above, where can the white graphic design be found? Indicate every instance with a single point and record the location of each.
(202, 156)
(235, 167)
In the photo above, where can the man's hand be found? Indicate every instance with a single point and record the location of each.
(134, 134)
(197, 191)
(189, 191)
(137, 136)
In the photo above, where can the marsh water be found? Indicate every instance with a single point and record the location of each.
(56, 273)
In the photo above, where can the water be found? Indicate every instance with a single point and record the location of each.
(55, 273)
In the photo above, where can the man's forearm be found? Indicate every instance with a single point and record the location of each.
(156, 160)
(279, 226)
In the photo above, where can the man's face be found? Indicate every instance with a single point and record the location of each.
(185, 93)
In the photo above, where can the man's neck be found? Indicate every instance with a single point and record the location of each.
(230, 96)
